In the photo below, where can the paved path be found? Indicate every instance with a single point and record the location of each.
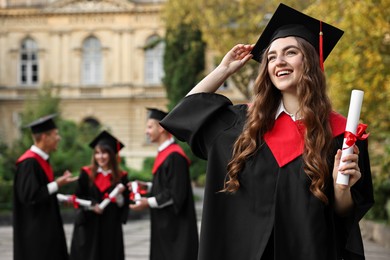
(137, 240)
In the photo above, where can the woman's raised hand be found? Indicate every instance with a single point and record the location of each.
(237, 57)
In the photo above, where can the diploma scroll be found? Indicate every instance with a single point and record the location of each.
(70, 198)
(115, 192)
(135, 191)
(352, 124)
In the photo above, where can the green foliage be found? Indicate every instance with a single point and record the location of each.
(183, 61)
(381, 181)
(145, 174)
(361, 60)
(5, 195)
(72, 153)
(5, 171)
(382, 198)
(224, 24)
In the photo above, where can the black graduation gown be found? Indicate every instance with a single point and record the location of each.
(38, 231)
(174, 233)
(98, 236)
(273, 205)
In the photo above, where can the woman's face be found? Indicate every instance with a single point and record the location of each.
(285, 64)
(102, 158)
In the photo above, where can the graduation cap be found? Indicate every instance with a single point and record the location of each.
(156, 114)
(106, 138)
(287, 21)
(42, 124)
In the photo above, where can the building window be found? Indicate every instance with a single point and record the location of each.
(29, 69)
(91, 123)
(154, 55)
(92, 61)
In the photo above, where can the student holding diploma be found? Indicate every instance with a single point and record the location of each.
(271, 190)
(98, 232)
(174, 231)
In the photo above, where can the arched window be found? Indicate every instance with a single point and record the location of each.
(154, 55)
(29, 70)
(92, 67)
(91, 122)
(89, 127)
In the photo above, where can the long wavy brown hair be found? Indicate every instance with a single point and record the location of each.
(112, 164)
(315, 108)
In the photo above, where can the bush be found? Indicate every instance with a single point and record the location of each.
(382, 199)
(145, 174)
(381, 181)
(5, 195)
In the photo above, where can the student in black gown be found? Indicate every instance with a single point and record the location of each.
(37, 224)
(98, 233)
(174, 233)
(272, 164)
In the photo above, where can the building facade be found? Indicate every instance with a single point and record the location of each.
(105, 57)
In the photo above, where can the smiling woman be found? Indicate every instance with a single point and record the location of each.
(95, 227)
(271, 165)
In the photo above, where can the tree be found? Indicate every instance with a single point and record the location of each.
(226, 23)
(361, 60)
(183, 61)
(73, 150)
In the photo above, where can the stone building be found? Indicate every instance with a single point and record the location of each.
(105, 56)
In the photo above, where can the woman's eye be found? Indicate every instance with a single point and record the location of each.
(291, 52)
(271, 58)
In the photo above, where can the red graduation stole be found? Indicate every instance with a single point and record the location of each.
(43, 163)
(286, 138)
(102, 182)
(162, 155)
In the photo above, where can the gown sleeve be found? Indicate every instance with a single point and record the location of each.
(82, 187)
(198, 119)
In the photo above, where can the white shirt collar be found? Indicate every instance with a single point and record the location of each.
(166, 144)
(282, 109)
(39, 151)
(104, 172)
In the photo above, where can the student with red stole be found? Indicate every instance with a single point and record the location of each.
(98, 233)
(271, 190)
(37, 224)
(174, 234)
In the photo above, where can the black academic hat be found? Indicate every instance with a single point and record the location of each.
(106, 138)
(287, 21)
(42, 124)
(157, 114)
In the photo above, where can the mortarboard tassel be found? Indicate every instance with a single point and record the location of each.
(321, 48)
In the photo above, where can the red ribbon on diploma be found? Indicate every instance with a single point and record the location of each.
(351, 138)
(108, 197)
(73, 200)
